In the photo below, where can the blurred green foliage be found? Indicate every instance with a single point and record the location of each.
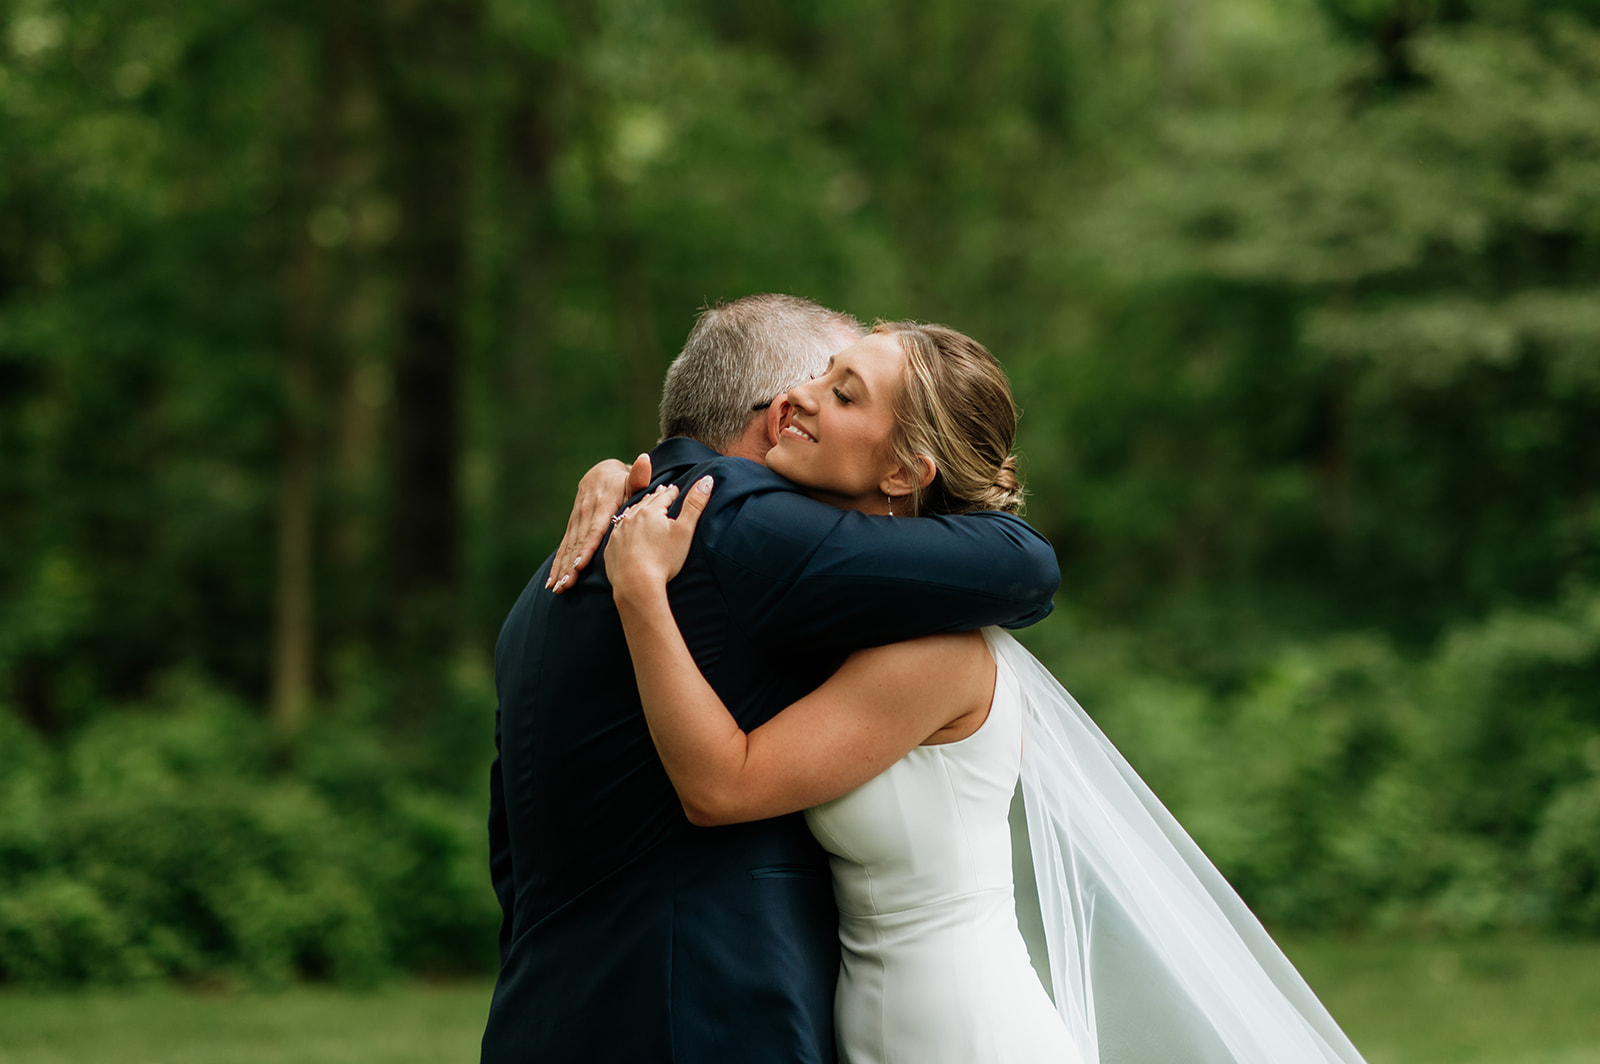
(1343, 785)
(310, 315)
(160, 841)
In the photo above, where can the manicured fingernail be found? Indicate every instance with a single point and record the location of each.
(563, 581)
(577, 563)
(703, 485)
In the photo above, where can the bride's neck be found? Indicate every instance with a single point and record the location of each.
(875, 505)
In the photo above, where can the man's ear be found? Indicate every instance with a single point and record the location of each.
(902, 481)
(776, 412)
(760, 433)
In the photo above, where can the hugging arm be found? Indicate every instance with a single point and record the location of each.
(898, 579)
(866, 581)
(880, 704)
(604, 488)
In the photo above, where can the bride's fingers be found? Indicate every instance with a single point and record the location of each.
(660, 499)
(652, 505)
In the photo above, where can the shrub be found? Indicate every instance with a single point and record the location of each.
(1566, 855)
(432, 886)
(162, 842)
(27, 767)
(1344, 785)
(256, 881)
(55, 930)
(188, 734)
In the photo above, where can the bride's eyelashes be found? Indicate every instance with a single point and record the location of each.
(843, 398)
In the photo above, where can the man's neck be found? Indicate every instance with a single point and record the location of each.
(753, 443)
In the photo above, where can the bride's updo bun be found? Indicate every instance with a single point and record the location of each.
(955, 407)
(1006, 492)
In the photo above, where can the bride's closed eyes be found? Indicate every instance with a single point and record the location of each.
(838, 391)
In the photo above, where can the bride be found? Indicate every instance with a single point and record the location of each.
(906, 760)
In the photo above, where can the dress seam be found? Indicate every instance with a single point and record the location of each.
(944, 900)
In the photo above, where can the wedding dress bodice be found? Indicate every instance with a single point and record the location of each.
(933, 967)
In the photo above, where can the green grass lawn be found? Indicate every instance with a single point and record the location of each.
(412, 1024)
(1496, 1002)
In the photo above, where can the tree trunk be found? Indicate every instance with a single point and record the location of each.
(294, 617)
(428, 73)
(636, 324)
(641, 344)
(1183, 46)
(523, 373)
(305, 315)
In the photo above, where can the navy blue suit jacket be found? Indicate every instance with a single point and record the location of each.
(629, 934)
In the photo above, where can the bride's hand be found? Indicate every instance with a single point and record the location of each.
(647, 548)
(602, 489)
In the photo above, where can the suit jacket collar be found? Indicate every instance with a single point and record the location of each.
(678, 454)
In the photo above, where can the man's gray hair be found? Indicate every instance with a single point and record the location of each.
(742, 354)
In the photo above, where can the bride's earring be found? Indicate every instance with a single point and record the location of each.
(890, 500)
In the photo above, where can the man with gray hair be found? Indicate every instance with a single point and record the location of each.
(629, 934)
(739, 356)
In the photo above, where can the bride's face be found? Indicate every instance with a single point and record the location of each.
(835, 436)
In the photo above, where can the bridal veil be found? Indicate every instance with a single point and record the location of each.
(1152, 955)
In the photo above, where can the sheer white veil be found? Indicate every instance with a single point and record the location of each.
(1152, 956)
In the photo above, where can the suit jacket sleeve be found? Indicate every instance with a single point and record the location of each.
(500, 867)
(502, 872)
(804, 574)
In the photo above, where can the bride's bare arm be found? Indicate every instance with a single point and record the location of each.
(881, 703)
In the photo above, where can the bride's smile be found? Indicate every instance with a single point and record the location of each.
(834, 439)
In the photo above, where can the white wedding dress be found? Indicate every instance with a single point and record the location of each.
(933, 969)
(1152, 956)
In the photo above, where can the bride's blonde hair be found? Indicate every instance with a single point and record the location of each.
(955, 407)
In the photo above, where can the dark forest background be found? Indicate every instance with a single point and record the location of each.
(312, 313)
